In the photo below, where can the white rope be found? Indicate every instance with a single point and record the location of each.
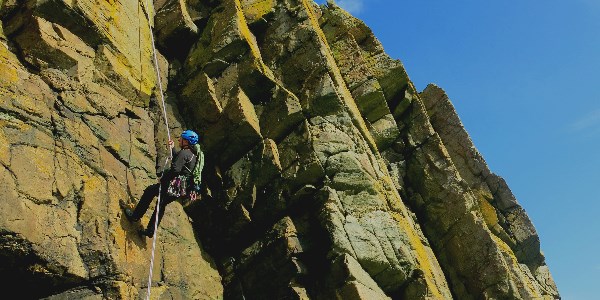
(154, 236)
(162, 98)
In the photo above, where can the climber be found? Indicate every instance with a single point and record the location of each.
(187, 163)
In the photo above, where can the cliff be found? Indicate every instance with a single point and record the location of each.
(327, 174)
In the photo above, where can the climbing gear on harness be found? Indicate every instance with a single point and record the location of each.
(190, 136)
(178, 187)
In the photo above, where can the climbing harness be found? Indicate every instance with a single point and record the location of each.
(162, 98)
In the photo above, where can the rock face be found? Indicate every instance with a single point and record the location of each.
(327, 176)
(75, 110)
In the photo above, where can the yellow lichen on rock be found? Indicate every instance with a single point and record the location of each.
(8, 71)
(346, 96)
(256, 9)
(245, 31)
(290, 113)
(126, 26)
(487, 211)
(69, 169)
(251, 40)
(4, 145)
(36, 168)
(520, 276)
(425, 260)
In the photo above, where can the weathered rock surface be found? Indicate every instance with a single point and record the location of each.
(509, 226)
(328, 176)
(75, 85)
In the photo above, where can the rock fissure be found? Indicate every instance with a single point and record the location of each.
(8, 115)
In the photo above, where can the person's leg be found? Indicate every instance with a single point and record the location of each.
(164, 200)
(149, 193)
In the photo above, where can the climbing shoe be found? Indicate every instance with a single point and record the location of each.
(129, 214)
(146, 232)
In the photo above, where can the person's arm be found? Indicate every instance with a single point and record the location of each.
(177, 162)
(164, 171)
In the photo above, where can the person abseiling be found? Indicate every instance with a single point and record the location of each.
(183, 163)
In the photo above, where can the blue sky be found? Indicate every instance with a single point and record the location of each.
(524, 77)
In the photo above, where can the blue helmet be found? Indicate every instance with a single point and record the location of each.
(190, 136)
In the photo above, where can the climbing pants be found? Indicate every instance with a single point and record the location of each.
(149, 193)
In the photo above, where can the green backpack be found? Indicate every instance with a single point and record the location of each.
(196, 178)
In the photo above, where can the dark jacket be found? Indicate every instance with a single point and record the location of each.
(183, 163)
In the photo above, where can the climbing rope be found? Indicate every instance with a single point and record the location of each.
(162, 98)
